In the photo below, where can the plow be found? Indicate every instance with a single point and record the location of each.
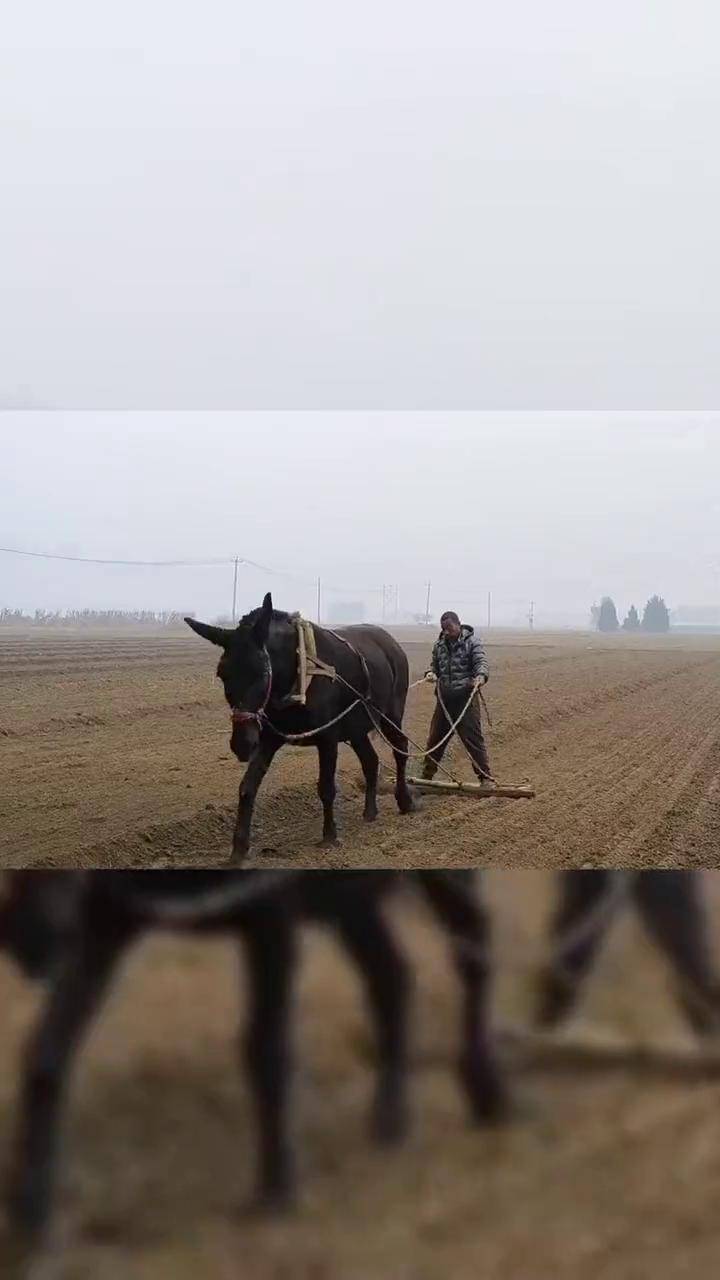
(601, 1049)
(587, 1047)
(478, 790)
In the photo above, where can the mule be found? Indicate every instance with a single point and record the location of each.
(258, 669)
(72, 928)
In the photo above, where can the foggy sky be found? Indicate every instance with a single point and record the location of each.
(387, 205)
(555, 508)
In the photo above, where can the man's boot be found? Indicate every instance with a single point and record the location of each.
(482, 769)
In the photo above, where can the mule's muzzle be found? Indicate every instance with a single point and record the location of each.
(245, 735)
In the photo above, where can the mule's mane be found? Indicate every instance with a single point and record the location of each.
(278, 615)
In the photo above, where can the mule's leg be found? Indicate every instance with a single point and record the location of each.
(249, 787)
(455, 901)
(369, 941)
(671, 906)
(573, 943)
(399, 744)
(74, 998)
(327, 755)
(271, 957)
(367, 755)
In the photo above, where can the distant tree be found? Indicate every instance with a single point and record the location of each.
(607, 617)
(632, 621)
(656, 617)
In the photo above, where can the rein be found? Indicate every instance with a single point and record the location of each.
(239, 891)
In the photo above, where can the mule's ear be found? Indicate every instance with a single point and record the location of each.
(216, 635)
(261, 630)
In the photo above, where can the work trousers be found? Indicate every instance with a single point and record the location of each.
(469, 730)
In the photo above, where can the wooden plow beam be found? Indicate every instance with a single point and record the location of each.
(479, 790)
(596, 1049)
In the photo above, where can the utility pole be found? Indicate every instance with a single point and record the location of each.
(234, 605)
(427, 606)
(531, 615)
(489, 609)
(319, 599)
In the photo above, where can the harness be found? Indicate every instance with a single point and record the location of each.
(309, 665)
(239, 715)
(307, 658)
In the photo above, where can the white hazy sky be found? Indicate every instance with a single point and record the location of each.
(557, 508)
(391, 204)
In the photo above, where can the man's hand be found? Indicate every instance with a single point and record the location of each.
(430, 677)
(480, 681)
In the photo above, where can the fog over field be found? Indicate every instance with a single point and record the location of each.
(555, 509)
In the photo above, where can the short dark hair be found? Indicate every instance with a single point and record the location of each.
(449, 616)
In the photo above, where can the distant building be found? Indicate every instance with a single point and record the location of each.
(701, 615)
(702, 618)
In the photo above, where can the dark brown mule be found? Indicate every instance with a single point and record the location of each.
(258, 669)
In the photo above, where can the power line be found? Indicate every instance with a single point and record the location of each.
(210, 562)
(387, 594)
(155, 564)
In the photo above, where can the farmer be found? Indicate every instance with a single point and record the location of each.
(459, 667)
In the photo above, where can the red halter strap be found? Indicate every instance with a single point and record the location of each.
(239, 715)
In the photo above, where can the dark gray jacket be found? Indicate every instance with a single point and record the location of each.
(458, 663)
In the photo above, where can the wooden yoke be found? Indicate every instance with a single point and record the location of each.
(308, 663)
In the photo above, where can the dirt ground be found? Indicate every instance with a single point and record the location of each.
(114, 751)
(608, 1175)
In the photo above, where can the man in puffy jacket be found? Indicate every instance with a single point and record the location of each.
(460, 667)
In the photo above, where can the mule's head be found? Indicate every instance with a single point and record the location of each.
(245, 671)
(38, 917)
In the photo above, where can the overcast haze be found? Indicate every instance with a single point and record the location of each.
(553, 508)
(388, 205)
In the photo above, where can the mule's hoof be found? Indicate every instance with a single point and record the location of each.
(389, 1124)
(329, 842)
(21, 1254)
(276, 1202)
(494, 1107)
(370, 815)
(28, 1227)
(238, 855)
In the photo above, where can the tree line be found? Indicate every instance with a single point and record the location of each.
(93, 617)
(655, 618)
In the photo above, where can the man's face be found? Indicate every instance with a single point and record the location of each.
(451, 629)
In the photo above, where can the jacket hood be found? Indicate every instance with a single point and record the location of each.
(465, 632)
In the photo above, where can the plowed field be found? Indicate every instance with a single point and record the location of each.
(114, 751)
